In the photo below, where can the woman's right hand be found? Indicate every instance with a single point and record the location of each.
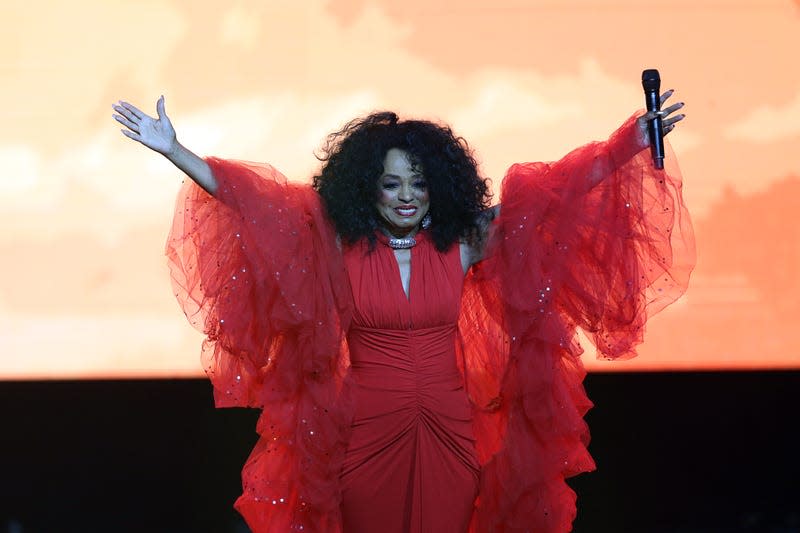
(155, 133)
(159, 135)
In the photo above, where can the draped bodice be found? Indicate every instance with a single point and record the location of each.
(400, 342)
(378, 297)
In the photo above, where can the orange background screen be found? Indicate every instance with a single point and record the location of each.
(84, 212)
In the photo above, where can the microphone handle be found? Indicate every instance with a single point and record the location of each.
(656, 130)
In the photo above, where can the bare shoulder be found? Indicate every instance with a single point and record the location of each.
(492, 213)
(472, 249)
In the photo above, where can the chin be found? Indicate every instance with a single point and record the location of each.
(399, 228)
(393, 223)
(408, 224)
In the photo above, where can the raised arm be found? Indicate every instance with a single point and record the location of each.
(636, 139)
(159, 135)
(630, 141)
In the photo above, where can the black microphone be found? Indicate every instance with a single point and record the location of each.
(651, 83)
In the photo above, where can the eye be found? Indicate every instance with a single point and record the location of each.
(421, 184)
(389, 185)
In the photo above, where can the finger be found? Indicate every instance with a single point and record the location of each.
(127, 113)
(133, 109)
(672, 120)
(160, 107)
(650, 115)
(669, 125)
(671, 109)
(127, 123)
(663, 113)
(131, 135)
(665, 96)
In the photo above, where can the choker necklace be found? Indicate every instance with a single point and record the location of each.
(401, 243)
(396, 243)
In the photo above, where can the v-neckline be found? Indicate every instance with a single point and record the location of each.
(399, 274)
(384, 240)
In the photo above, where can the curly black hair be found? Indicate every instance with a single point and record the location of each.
(353, 162)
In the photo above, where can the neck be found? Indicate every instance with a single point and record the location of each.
(399, 234)
(398, 242)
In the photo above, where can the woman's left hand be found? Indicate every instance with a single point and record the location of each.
(668, 120)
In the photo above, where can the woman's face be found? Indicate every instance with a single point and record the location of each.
(403, 197)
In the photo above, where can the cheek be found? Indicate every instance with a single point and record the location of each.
(384, 197)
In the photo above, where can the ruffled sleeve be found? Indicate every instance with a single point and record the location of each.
(609, 234)
(598, 240)
(257, 269)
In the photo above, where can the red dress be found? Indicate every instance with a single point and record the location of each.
(410, 464)
(387, 413)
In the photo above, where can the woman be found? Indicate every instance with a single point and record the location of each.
(412, 348)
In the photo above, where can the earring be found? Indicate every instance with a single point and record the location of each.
(426, 221)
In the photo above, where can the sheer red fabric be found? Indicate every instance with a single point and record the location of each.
(258, 271)
(599, 240)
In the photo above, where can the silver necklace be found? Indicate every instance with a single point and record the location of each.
(401, 243)
(404, 243)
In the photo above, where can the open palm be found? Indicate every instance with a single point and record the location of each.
(155, 133)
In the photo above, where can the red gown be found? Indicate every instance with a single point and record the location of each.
(410, 464)
(387, 413)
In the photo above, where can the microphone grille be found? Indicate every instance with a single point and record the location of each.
(651, 81)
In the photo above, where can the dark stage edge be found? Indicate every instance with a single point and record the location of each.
(676, 452)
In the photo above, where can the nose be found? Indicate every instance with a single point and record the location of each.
(405, 194)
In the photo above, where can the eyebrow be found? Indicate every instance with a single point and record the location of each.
(395, 176)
